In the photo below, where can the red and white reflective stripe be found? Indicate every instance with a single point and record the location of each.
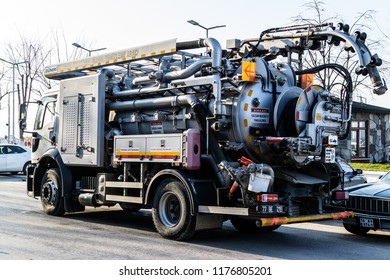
(267, 197)
(274, 139)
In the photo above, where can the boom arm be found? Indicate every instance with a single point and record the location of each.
(356, 42)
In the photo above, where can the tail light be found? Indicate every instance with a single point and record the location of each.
(268, 197)
(340, 195)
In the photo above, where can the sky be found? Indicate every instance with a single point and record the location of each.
(119, 24)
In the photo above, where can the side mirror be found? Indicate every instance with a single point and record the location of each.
(23, 116)
(359, 171)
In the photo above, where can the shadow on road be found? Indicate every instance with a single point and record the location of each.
(12, 177)
(141, 220)
(287, 239)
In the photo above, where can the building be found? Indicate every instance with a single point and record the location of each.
(369, 139)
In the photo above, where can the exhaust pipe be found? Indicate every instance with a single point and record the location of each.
(88, 199)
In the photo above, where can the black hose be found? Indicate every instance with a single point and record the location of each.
(340, 69)
(190, 45)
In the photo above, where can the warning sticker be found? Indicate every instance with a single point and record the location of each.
(260, 115)
(157, 127)
(330, 155)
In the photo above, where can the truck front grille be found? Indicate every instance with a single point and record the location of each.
(88, 183)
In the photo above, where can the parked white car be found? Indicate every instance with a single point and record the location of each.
(14, 158)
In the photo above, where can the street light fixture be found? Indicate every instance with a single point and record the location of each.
(193, 22)
(13, 98)
(89, 51)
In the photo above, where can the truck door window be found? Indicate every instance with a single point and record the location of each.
(45, 114)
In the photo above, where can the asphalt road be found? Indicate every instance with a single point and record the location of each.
(111, 234)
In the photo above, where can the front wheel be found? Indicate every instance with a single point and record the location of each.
(51, 188)
(171, 211)
(355, 229)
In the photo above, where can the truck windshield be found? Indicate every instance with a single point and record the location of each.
(45, 112)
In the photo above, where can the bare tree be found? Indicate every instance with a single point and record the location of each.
(28, 59)
(2, 95)
(58, 47)
(35, 54)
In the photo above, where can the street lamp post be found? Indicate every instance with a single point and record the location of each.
(193, 22)
(13, 98)
(89, 51)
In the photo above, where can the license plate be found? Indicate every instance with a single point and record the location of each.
(365, 222)
(270, 209)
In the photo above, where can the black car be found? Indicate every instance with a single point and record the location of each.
(352, 176)
(371, 204)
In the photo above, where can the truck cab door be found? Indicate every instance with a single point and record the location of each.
(45, 127)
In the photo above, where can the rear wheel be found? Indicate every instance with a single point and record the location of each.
(249, 226)
(171, 211)
(355, 229)
(51, 189)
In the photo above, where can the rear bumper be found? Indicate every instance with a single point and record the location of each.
(264, 222)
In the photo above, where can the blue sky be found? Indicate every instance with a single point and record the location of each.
(118, 24)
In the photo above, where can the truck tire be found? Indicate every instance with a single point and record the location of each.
(249, 226)
(171, 211)
(355, 229)
(51, 189)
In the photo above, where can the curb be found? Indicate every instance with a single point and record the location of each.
(379, 173)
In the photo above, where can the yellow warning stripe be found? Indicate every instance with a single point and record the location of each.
(130, 153)
(317, 217)
(112, 58)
